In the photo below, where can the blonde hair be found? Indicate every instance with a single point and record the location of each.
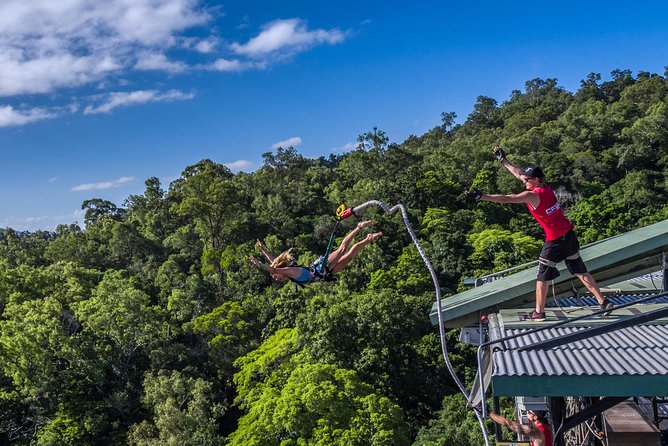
(283, 260)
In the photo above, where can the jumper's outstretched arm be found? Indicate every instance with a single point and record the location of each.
(263, 248)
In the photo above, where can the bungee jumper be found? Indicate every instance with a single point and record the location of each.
(282, 267)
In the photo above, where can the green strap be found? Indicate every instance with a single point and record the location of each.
(323, 265)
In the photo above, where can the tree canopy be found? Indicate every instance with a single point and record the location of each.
(149, 326)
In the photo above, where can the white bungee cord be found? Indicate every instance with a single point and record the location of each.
(441, 326)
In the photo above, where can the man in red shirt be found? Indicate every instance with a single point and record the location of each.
(561, 244)
(538, 429)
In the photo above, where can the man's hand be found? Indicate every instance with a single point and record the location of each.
(474, 194)
(255, 261)
(499, 153)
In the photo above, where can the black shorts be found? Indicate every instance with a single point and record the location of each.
(566, 248)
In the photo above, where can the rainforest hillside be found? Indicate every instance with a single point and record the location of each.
(147, 325)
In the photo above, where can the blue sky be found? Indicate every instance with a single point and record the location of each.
(96, 97)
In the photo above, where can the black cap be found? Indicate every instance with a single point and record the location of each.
(539, 413)
(533, 172)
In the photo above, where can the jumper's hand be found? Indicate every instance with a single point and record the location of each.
(499, 153)
(254, 261)
(473, 194)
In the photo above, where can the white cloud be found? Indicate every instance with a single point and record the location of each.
(206, 46)
(345, 148)
(142, 21)
(238, 165)
(229, 65)
(49, 72)
(287, 37)
(124, 99)
(103, 185)
(290, 142)
(234, 65)
(46, 44)
(11, 117)
(157, 61)
(52, 179)
(42, 222)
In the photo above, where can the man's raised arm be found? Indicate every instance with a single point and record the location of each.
(501, 156)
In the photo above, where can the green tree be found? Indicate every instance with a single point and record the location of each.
(34, 347)
(375, 140)
(648, 141)
(266, 366)
(382, 335)
(409, 274)
(621, 207)
(151, 211)
(97, 208)
(122, 321)
(183, 412)
(484, 115)
(206, 193)
(24, 247)
(448, 121)
(38, 342)
(321, 405)
(229, 332)
(498, 249)
(455, 425)
(76, 423)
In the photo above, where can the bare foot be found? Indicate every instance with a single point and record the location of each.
(364, 224)
(374, 236)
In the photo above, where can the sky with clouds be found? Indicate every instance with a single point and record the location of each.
(96, 97)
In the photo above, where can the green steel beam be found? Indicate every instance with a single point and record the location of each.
(584, 385)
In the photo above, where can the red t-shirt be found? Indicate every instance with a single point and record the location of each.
(549, 214)
(546, 432)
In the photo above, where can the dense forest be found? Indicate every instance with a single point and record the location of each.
(149, 326)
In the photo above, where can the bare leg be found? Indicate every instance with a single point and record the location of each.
(589, 282)
(356, 248)
(345, 244)
(541, 295)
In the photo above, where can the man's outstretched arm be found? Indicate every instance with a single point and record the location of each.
(514, 426)
(522, 197)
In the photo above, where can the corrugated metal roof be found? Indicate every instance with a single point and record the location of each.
(625, 362)
(640, 350)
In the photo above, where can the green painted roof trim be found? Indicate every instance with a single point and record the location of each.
(610, 261)
(593, 385)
